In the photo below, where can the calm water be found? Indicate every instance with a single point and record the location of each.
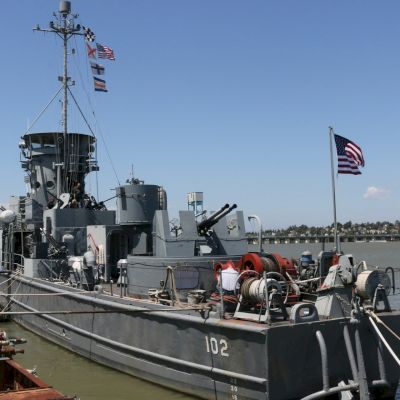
(375, 253)
(73, 374)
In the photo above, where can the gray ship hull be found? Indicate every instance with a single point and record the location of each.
(199, 354)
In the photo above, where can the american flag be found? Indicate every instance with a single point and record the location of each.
(105, 52)
(350, 156)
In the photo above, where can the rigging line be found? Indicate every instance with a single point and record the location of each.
(8, 305)
(81, 77)
(86, 55)
(96, 172)
(41, 113)
(78, 68)
(57, 148)
(10, 279)
(393, 354)
(49, 294)
(106, 148)
(379, 321)
(80, 110)
(97, 124)
(83, 84)
(117, 311)
(76, 158)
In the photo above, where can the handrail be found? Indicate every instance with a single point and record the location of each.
(22, 257)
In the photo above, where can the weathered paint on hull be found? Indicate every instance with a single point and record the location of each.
(208, 358)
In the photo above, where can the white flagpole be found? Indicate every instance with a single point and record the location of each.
(337, 244)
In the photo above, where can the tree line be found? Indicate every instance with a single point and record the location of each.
(349, 228)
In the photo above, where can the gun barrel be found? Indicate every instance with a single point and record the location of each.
(50, 238)
(216, 213)
(205, 225)
(226, 212)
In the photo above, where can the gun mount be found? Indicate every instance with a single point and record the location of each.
(204, 226)
(56, 249)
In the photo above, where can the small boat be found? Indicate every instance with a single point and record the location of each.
(19, 383)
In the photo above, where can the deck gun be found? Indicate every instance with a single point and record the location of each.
(204, 226)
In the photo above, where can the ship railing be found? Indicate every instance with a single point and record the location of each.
(359, 380)
(8, 260)
(392, 271)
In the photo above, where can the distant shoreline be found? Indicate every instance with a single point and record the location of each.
(348, 238)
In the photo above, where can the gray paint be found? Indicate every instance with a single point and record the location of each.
(170, 348)
(198, 352)
(137, 203)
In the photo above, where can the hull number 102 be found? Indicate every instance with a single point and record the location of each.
(217, 347)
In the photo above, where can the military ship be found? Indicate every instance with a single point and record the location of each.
(184, 304)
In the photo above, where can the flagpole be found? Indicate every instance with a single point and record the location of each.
(337, 245)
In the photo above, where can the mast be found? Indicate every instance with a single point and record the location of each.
(65, 81)
(65, 28)
(57, 162)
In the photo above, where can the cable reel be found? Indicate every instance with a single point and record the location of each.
(254, 290)
(277, 268)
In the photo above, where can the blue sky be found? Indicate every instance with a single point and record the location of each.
(232, 98)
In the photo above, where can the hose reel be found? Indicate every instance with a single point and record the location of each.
(254, 289)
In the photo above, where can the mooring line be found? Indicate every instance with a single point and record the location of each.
(379, 321)
(384, 341)
(66, 312)
(45, 294)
